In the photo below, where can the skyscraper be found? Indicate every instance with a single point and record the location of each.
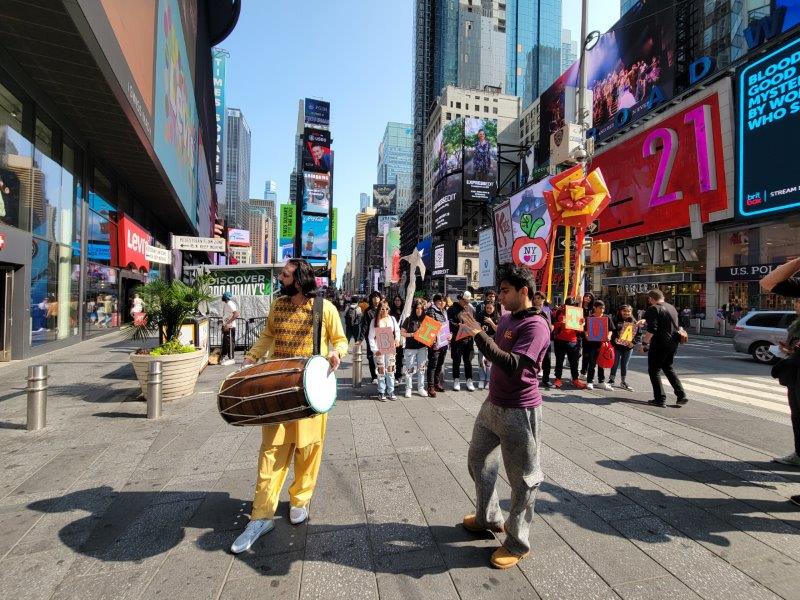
(271, 190)
(363, 202)
(237, 170)
(513, 47)
(626, 5)
(395, 159)
(269, 209)
(569, 49)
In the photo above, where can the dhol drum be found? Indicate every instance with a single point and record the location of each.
(277, 391)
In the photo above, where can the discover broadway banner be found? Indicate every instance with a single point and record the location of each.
(241, 282)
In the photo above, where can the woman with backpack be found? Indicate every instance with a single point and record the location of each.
(352, 320)
(415, 354)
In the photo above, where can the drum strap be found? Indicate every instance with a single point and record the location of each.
(316, 327)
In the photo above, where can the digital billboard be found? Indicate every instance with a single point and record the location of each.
(768, 125)
(384, 198)
(630, 70)
(334, 227)
(287, 231)
(218, 64)
(448, 149)
(447, 203)
(314, 234)
(317, 112)
(656, 175)
(317, 151)
(238, 237)
(480, 158)
(391, 255)
(444, 258)
(316, 192)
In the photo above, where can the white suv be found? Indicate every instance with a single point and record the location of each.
(760, 329)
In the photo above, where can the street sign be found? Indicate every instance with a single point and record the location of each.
(157, 255)
(198, 244)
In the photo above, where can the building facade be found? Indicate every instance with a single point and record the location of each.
(569, 49)
(262, 237)
(270, 209)
(90, 180)
(364, 201)
(237, 170)
(271, 190)
(395, 160)
(626, 5)
(358, 252)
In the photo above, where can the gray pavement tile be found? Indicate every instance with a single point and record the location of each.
(560, 574)
(62, 471)
(414, 560)
(656, 589)
(473, 577)
(338, 500)
(267, 577)
(422, 584)
(15, 522)
(779, 574)
(338, 565)
(703, 572)
(192, 570)
(32, 576)
(377, 467)
(117, 585)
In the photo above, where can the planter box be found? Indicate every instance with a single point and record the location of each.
(179, 372)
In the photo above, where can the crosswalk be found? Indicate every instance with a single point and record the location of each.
(754, 391)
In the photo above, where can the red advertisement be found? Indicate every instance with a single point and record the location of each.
(132, 243)
(655, 176)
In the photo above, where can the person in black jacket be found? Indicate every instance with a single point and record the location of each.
(436, 356)
(369, 317)
(461, 350)
(396, 310)
(661, 342)
(415, 352)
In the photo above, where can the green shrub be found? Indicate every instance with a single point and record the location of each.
(172, 347)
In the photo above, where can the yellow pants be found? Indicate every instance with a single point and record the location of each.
(273, 466)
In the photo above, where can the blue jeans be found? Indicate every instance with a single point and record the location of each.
(414, 362)
(384, 364)
(621, 361)
(485, 370)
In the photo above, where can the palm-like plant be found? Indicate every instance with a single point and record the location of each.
(168, 304)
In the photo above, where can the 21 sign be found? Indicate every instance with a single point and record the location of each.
(653, 177)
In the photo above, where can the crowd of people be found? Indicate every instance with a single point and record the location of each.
(413, 360)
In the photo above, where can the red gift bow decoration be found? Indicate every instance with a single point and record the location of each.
(577, 199)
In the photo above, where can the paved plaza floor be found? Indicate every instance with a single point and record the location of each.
(638, 503)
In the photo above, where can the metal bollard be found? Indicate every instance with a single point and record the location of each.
(37, 397)
(154, 390)
(697, 326)
(357, 360)
(723, 327)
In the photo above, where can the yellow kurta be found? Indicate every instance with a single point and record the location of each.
(288, 334)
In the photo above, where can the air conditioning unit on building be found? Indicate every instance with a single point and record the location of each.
(567, 145)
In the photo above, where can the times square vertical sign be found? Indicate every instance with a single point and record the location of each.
(768, 127)
(219, 58)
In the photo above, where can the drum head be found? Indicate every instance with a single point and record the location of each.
(320, 387)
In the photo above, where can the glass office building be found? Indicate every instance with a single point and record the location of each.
(395, 152)
(626, 5)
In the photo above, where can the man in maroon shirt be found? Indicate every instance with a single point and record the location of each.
(510, 420)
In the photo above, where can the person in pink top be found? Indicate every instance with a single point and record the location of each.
(510, 418)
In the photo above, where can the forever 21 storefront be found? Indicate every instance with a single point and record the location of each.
(89, 174)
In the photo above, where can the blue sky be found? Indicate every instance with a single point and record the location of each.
(355, 54)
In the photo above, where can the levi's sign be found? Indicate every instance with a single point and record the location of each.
(198, 244)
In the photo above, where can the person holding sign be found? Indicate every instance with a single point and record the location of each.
(510, 418)
(415, 354)
(624, 337)
(437, 352)
(384, 338)
(566, 342)
(599, 327)
(461, 348)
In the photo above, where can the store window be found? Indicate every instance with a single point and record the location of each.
(16, 168)
(102, 299)
(54, 292)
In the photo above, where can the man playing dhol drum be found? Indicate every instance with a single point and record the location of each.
(288, 333)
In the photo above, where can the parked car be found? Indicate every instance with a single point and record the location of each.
(760, 329)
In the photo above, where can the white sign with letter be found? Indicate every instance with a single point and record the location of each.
(486, 260)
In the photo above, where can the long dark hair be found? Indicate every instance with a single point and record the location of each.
(413, 316)
(304, 276)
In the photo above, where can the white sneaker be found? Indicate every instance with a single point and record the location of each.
(228, 362)
(374, 382)
(423, 392)
(607, 387)
(470, 386)
(457, 386)
(589, 386)
(790, 459)
(408, 392)
(481, 385)
(297, 514)
(253, 531)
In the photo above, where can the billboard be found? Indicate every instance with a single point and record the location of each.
(531, 226)
(238, 237)
(448, 149)
(424, 248)
(387, 221)
(486, 260)
(447, 203)
(334, 227)
(630, 70)
(317, 112)
(480, 158)
(767, 127)
(656, 175)
(391, 255)
(240, 282)
(316, 193)
(317, 150)
(218, 64)
(503, 231)
(384, 198)
(314, 234)
(444, 258)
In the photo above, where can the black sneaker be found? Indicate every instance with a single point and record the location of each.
(659, 403)
(795, 500)
(682, 401)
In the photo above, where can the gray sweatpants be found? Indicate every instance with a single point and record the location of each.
(514, 432)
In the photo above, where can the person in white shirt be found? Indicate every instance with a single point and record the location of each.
(384, 362)
(230, 312)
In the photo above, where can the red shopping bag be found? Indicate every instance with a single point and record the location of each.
(606, 356)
